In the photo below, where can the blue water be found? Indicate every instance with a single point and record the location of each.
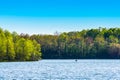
(61, 70)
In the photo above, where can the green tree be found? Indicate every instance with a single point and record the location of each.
(24, 49)
(2, 45)
(112, 39)
(36, 54)
(10, 53)
(20, 49)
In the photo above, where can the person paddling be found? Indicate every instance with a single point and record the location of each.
(76, 60)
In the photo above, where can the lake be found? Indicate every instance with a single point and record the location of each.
(61, 70)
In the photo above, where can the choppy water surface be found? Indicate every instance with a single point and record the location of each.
(61, 70)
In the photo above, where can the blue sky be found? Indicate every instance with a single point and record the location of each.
(48, 16)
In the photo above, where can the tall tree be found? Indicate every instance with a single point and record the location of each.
(2, 45)
(10, 53)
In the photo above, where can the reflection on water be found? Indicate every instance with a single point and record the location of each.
(61, 70)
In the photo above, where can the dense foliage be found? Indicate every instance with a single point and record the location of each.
(16, 48)
(99, 43)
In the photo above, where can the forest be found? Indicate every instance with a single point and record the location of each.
(15, 48)
(101, 43)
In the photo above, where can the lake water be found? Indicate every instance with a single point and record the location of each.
(61, 70)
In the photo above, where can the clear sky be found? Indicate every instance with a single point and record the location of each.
(48, 16)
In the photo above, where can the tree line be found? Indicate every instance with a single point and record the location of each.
(98, 43)
(13, 47)
(101, 43)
